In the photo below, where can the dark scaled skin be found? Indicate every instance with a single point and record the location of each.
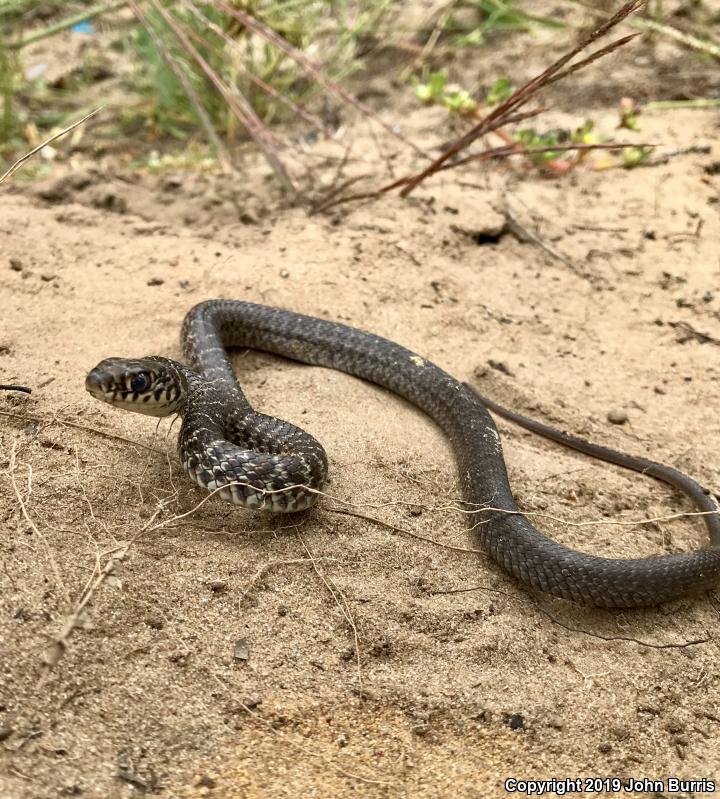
(250, 459)
(511, 540)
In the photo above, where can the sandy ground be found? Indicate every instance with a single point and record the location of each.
(219, 657)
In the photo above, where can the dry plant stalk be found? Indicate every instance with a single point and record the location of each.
(505, 114)
(499, 116)
(11, 171)
(13, 387)
(311, 119)
(221, 152)
(58, 647)
(344, 606)
(312, 69)
(235, 100)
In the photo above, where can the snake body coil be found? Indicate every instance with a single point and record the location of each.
(262, 462)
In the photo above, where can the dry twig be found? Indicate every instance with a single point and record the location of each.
(273, 564)
(23, 508)
(59, 646)
(342, 603)
(10, 387)
(237, 103)
(312, 69)
(52, 138)
(221, 152)
(25, 417)
(499, 115)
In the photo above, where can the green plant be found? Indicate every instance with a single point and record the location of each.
(252, 64)
(451, 96)
(628, 114)
(224, 66)
(635, 156)
(499, 92)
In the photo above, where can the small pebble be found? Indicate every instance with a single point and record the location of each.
(516, 722)
(155, 621)
(171, 184)
(619, 732)
(241, 651)
(617, 417)
(500, 366)
(675, 724)
(605, 747)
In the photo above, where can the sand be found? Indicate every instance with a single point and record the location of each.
(361, 648)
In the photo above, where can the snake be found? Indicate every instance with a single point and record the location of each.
(261, 462)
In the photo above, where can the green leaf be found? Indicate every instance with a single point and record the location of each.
(499, 91)
(459, 101)
(634, 156)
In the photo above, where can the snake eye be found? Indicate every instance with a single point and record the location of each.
(140, 382)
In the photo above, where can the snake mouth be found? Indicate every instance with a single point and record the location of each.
(140, 385)
(98, 384)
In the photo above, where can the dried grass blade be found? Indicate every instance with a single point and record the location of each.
(239, 105)
(309, 118)
(223, 155)
(520, 96)
(313, 69)
(37, 149)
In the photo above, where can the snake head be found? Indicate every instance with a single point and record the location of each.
(144, 385)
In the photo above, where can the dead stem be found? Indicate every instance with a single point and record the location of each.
(78, 426)
(10, 387)
(498, 116)
(273, 564)
(312, 69)
(342, 603)
(23, 507)
(59, 646)
(221, 152)
(238, 104)
(52, 138)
